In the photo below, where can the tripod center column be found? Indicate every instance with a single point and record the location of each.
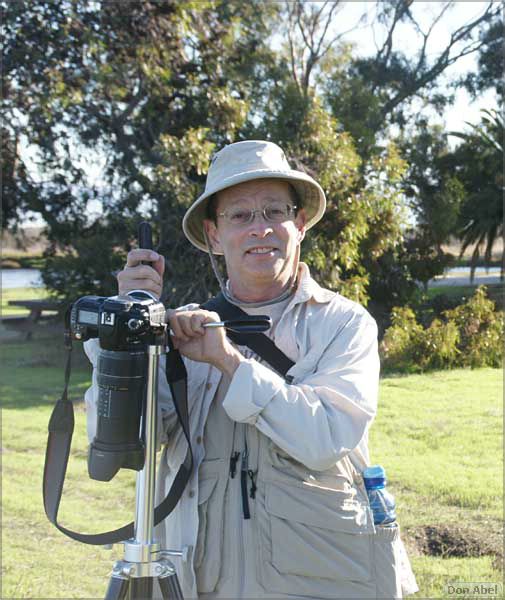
(144, 518)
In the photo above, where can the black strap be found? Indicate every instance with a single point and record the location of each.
(61, 428)
(262, 345)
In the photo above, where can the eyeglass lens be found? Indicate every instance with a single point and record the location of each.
(274, 213)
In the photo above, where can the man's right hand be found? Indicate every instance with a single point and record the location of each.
(136, 276)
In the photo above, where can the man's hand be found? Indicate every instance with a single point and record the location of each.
(208, 345)
(142, 277)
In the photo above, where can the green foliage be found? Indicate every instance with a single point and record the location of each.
(470, 335)
(437, 347)
(398, 344)
(123, 104)
(481, 331)
(489, 74)
(144, 89)
(364, 216)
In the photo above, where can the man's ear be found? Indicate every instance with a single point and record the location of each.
(300, 221)
(213, 234)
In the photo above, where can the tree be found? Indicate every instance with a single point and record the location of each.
(363, 216)
(143, 92)
(478, 163)
(369, 95)
(489, 74)
(144, 89)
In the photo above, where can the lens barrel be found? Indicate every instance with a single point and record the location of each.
(117, 443)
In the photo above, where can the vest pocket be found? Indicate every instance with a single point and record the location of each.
(314, 542)
(209, 543)
(206, 488)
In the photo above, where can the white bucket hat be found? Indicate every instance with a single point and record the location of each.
(244, 161)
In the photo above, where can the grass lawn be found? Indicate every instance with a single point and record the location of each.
(439, 436)
(461, 293)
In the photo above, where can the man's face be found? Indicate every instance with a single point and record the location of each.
(261, 256)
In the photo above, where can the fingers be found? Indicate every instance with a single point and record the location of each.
(138, 255)
(189, 324)
(137, 276)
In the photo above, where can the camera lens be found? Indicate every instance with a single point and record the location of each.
(121, 393)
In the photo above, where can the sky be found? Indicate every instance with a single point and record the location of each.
(463, 110)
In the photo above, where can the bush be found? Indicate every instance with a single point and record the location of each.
(470, 335)
(481, 331)
(399, 342)
(437, 346)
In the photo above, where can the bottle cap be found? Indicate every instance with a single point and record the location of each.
(374, 471)
(374, 476)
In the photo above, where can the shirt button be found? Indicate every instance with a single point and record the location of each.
(208, 386)
(191, 494)
(199, 439)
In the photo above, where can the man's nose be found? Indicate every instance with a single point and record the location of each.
(259, 225)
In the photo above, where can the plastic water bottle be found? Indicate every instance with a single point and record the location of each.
(382, 502)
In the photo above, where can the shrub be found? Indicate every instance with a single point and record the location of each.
(481, 331)
(436, 346)
(470, 335)
(400, 340)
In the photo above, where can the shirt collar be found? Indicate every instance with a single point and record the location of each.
(308, 289)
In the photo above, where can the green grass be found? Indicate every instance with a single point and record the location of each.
(452, 291)
(29, 293)
(438, 435)
(440, 438)
(461, 293)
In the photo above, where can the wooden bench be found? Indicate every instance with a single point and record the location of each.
(37, 309)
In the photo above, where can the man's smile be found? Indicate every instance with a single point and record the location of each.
(262, 250)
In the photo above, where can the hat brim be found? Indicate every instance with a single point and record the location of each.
(309, 191)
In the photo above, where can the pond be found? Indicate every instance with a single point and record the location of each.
(20, 278)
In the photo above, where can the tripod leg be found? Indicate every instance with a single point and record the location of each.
(141, 588)
(170, 588)
(118, 588)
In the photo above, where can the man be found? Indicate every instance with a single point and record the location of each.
(276, 507)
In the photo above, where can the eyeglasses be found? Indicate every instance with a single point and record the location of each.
(273, 213)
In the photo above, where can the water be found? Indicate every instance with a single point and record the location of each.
(16, 278)
(20, 278)
(478, 271)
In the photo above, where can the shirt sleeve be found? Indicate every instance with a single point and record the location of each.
(324, 413)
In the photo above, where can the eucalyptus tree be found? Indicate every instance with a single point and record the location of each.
(122, 103)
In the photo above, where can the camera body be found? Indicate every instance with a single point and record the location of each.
(118, 321)
(124, 326)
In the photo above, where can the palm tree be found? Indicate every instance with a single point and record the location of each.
(479, 163)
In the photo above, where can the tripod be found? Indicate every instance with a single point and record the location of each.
(144, 563)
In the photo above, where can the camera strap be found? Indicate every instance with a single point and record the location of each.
(61, 428)
(259, 343)
(61, 424)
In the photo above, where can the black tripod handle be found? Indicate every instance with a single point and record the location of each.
(249, 324)
(145, 235)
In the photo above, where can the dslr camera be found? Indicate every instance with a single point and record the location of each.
(124, 326)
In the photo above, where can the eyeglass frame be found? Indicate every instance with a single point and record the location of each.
(253, 212)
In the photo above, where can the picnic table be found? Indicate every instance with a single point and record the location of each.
(37, 308)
